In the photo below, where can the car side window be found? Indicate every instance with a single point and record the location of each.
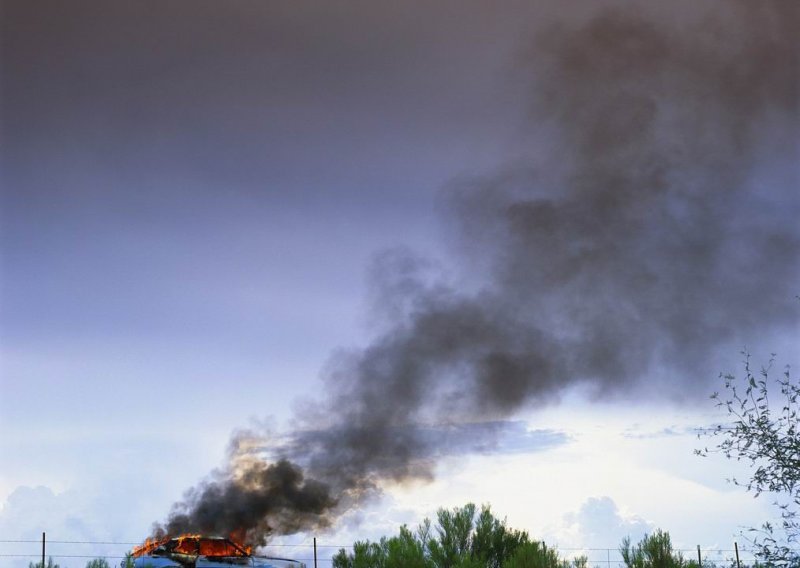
(186, 546)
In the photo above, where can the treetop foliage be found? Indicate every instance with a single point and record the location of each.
(461, 538)
(50, 564)
(465, 538)
(653, 551)
(764, 432)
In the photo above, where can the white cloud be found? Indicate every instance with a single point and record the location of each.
(98, 488)
(599, 524)
(67, 516)
(589, 492)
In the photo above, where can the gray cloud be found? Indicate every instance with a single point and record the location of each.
(599, 524)
(243, 98)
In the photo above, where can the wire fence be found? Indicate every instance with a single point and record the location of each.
(77, 553)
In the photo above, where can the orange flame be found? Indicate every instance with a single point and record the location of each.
(238, 537)
(148, 546)
(195, 544)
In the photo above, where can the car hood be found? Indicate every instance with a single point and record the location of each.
(183, 561)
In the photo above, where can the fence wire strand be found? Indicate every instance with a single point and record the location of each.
(610, 556)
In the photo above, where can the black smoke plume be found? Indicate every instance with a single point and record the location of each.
(251, 500)
(620, 259)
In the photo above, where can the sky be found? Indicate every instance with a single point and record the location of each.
(432, 253)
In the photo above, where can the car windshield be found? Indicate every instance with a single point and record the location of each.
(197, 546)
(219, 547)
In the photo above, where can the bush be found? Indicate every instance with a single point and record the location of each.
(535, 555)
(50, 564)
(460, 539)
(653, 551)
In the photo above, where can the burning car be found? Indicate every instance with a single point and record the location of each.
(196, 551)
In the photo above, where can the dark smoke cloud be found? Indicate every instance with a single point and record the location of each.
(251, 500)
(638, 246)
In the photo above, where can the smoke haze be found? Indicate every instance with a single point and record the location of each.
(634, 246)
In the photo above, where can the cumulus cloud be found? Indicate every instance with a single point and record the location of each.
(29, 511)
(67, 516)
(96, 518)
(599, 524)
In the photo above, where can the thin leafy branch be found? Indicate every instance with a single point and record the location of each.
(763, 431)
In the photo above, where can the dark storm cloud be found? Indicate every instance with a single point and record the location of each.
(234, 95)
(154, 153)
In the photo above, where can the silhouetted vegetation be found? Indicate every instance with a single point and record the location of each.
(127, 561)
(765, 432)
(465, 538)
(461, 538)
(50, 564)
(653, 551)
